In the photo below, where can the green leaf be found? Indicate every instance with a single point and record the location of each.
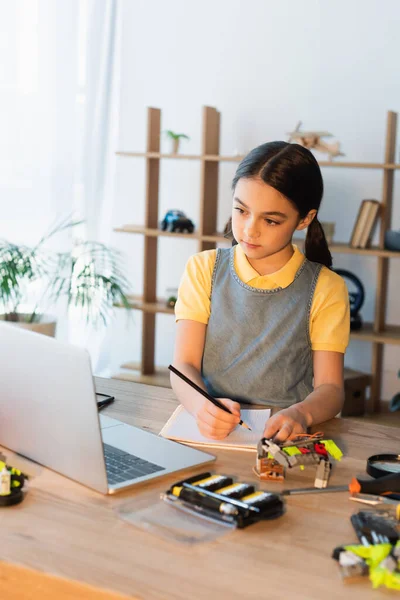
(170, 134)
(176, 136)
(90, 276)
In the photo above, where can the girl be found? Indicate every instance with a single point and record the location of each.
(261, 323)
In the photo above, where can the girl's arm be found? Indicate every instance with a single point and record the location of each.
(324, 403)
(189, 347)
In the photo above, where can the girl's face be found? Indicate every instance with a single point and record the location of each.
(263, 221)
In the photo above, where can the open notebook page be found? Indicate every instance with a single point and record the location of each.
(182, 427)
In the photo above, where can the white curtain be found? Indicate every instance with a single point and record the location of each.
(59, 83)
(39, 114)
(100, 132)
(101, 114)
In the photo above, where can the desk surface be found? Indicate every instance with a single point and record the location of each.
(65, 541)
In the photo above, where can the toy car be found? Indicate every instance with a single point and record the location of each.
(176, 221)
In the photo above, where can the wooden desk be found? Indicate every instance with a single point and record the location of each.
(67, 542)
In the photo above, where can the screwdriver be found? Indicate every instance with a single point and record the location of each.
(389, 484)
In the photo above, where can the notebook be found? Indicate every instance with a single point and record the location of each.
(182, 427)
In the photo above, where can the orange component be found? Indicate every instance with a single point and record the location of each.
(270, 470)
(354, 487)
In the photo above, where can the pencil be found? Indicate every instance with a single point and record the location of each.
(205, 394)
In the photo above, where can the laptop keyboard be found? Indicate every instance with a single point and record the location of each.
(122, 466)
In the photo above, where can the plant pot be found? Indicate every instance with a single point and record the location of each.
(46, 324)
(175, 146)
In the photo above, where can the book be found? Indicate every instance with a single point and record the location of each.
(182, 427)
(371, 221)
(365, 221)
(359, 224)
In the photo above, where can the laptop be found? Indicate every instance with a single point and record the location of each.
(49, 414)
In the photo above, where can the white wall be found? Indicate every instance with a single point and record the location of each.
(265, 65)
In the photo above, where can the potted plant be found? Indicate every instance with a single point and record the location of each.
(88, 277)
(175, 140)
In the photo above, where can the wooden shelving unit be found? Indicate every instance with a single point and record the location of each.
(238, 158)
(337, 247)
(378, 333)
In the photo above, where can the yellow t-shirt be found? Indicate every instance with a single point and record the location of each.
(329, 315)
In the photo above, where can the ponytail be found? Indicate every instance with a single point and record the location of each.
(316, 246)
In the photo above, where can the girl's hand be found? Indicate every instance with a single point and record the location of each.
(286, 424)
(215, 423)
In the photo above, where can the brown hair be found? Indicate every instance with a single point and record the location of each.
(294, 172)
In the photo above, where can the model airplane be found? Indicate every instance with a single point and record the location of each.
(312, 140)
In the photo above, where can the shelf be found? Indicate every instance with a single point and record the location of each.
(343, 248)
(154, 232)
(160, 155)
(339, 247)
(359, 165)
(137, 303)
(391, 334)
(160, 378)
(239, 157)
(218, 238)
(140, 229)
(174, 156)
(351, 374)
